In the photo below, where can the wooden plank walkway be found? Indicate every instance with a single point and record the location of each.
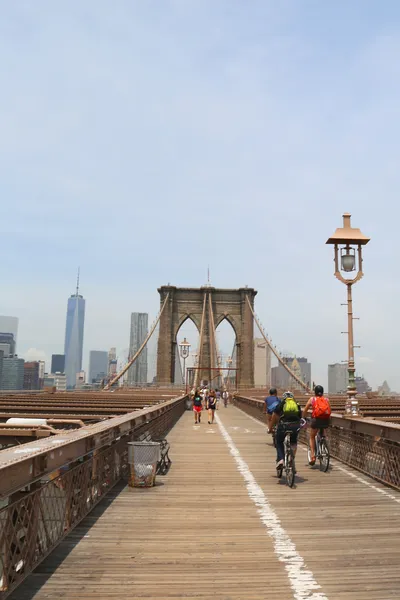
(220, 525)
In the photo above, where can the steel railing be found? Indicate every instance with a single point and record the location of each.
(37, 516)
(370, 446)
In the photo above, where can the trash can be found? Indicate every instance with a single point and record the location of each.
(143, 458)
(188, 404)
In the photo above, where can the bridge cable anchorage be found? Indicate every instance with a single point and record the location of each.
(138, 353)
(200, 347)
(276, 353)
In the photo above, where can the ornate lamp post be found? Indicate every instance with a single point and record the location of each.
(348, 241)
(184, 348)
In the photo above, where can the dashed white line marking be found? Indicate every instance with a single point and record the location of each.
(340, 468)
(301, 579)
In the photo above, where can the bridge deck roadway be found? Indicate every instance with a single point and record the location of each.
(220, 525)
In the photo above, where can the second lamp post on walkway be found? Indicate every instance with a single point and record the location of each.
(184, 348)
(348, 241)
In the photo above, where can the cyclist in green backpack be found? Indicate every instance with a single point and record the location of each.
(288, 416)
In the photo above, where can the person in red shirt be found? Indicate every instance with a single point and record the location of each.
(197, 407)
(320, 416)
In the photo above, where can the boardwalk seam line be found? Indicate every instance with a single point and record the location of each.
(340, 468)
(301, 579)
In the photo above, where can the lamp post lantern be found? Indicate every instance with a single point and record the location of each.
(184, 348)
(348, 241)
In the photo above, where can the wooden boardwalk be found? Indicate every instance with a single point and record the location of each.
(220, 525)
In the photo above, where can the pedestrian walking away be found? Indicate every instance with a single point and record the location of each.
(225, 397)
(197, 407)
(212, 405)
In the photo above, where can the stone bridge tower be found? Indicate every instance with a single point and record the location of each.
(187, 303)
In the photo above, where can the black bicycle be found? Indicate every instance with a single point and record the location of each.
(289, 463)
(321, 450)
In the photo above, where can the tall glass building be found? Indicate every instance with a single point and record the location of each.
(137, 374)
(74, 337)
(98, 366)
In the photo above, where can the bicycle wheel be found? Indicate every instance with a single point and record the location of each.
(289, 467)
(274, 437)
(324, 455)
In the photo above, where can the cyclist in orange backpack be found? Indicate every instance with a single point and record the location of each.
(320, 416)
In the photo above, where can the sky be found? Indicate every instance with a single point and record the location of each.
(144, 141)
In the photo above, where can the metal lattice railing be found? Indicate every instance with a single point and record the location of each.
(35, 521)
(360, 444)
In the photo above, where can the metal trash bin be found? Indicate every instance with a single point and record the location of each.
(188, 404)
(143, 458)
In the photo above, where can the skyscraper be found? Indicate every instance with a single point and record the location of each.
(338, 378)
(9, 325)
(57, 363)
(281, 379)
(262, 363)
(74, 336)
(13, 373)
(137, 374)
(7, 343)
(98, 365)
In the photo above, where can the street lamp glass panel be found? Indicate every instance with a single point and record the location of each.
(184, 348)
(348, 260)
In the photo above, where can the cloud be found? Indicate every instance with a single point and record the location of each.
(34, 354)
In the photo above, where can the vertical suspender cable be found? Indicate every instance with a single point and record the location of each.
(282, 362)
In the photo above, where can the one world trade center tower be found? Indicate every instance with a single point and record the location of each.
(74, 336)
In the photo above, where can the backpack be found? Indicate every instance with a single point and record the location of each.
(290, 408)
(321, 408)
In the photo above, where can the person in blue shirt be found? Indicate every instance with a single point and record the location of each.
(271, 403)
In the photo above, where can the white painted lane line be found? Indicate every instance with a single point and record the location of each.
(340, 468)
(301, 579)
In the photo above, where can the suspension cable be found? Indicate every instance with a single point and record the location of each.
(276, 353)
(200, 349)
(132, 360)
(214, 345)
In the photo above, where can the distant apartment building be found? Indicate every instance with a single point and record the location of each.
(362, 385)
(57, 380)
(58, 363)
(1, 366)
(31, 375)
(137, 374)
(9, 325)
(281, 378)
(80, 380)
(338, 378)
(13, 373)
(98, 366)
(112, 362)
(262, 363)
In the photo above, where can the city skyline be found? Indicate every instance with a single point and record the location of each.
(260, 118)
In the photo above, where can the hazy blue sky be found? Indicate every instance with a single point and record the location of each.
(146, 140)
